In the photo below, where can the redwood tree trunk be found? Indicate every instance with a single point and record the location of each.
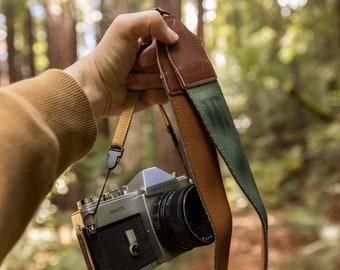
(30, 41)
(62, 42)
(9, 8)
(200, 29)
(173, 6)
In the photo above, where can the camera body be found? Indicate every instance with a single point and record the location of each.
(153, 219)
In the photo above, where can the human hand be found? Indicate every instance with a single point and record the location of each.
(145, 75)
(107, 72)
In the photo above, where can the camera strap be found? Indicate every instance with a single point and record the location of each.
(205, 125)
(116, 149)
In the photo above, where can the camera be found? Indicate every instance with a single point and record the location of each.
(154, 218)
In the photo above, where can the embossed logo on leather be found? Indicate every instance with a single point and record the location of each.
(198, 66)
(170, 20)
(212, 108)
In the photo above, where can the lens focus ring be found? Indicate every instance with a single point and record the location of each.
(180, 220)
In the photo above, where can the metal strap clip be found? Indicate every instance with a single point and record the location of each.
(113, 157)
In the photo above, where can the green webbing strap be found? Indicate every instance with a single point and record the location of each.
(211, 106)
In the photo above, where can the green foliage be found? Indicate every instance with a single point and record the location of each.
(278, 76)
(282, 73)
(321, 238)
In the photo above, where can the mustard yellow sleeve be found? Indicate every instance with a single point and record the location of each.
(46, 124)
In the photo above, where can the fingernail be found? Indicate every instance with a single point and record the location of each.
(173, 35)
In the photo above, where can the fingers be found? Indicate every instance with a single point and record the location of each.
(159, 29)
(148, 57)
(112, 67)
(151, 97)
(145, 23)
(142, 81)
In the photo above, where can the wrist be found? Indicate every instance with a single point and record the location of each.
(76, 72)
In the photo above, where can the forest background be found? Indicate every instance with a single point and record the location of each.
(278, 64)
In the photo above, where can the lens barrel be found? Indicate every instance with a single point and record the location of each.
(180, 220)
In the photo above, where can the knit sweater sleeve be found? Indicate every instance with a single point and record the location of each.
(46, 125)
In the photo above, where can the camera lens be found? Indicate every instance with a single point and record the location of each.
(180, 220)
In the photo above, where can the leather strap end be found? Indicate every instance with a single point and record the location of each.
(190, 70)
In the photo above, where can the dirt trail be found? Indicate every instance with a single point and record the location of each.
(246, 247)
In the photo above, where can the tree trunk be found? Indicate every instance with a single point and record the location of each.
(200, 29)
(119, 7)
(30, 41)
(62, 42)
(8, 10)
(173, 7)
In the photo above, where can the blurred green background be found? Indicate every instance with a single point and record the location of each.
(278, 62)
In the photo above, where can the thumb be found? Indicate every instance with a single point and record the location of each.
(160, 30)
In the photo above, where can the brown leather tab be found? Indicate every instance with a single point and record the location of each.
(168, 76)
(188, 58)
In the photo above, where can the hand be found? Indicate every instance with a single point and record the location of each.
(145, 76)
(107, 72)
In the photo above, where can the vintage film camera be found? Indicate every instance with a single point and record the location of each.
(153, 219)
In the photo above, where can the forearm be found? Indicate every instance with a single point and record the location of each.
(46, 125)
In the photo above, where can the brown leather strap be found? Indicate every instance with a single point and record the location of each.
(203, 160)
(186, 71)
